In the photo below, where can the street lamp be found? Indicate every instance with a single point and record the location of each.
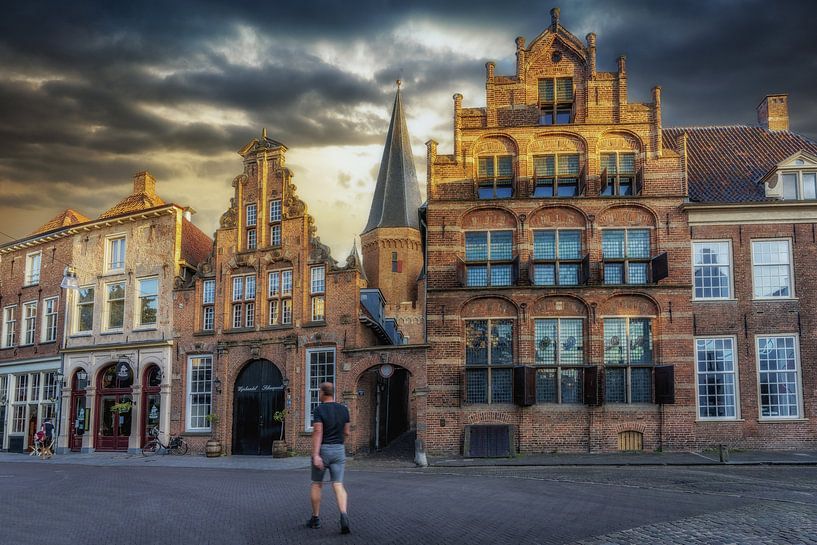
(69, 279)
(69, 283)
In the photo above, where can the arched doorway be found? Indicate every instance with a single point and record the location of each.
(78, 421)
(385, 403)
(259, 393)
(151, 401)
(114, 407)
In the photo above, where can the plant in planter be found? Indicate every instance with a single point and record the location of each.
(213, 447)
(279, 447)
(121, 408)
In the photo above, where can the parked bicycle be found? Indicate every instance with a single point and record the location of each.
(176, 445)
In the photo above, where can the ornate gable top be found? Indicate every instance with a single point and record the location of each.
(264, 143)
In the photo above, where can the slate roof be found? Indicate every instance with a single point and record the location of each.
(63, 219)
(725, 163)
(397, 194)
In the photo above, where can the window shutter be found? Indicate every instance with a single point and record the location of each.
(462, 275)
(524, 385)
(604, 182)
(593, 385)
(586, 269)
(515, 271)
(664, 377)
(660, 267)
(639, 183)
(582, 182)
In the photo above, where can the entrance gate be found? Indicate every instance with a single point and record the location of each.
(259, 393)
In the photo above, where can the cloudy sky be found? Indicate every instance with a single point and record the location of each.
(92, 92)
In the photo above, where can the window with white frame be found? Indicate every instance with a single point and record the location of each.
(33, 263)
(208, 299)
(771, 269)
(21, 389)
(243, 299)
(778, 367)
(717, 386)
(9, 325)
(148, 301)
(114, 305)
(115, 253)
(559, 354)
(489, 361)
(626, 255)
(199, 392)
(50, 387)
(275, 222)
(252, 215)
(320, 365)
(275, 211)
(29, 322)
(317, 290)
(35, 386)
(557, 257)
(488, 258)
(628, 360)
(85, 310)
(279, 297)
(712, 269)
(48, 329)
(18, 419)
(252, 239)
(799, 185)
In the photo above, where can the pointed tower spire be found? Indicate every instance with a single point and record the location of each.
(397, 194)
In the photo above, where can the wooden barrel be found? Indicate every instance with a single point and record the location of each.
(279, 449)
(213, 448)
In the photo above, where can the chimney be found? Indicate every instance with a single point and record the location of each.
(554, 18)
(144, 182)
(773, 112)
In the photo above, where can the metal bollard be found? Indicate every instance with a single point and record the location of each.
(723, 453)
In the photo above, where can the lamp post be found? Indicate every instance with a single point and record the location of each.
(69, 283)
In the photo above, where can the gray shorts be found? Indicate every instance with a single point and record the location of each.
(334, 459)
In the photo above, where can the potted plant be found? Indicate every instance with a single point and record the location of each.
(279, 447)
(121, 408)
(213, 446)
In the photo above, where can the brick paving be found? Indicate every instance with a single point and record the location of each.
(123, 504)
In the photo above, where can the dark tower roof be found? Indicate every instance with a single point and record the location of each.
(397, 194)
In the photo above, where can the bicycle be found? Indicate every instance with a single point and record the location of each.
(176, 445)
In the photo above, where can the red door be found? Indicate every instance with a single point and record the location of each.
(114, 421)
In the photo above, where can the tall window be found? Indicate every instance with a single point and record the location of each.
(115, 305)
(48, 330)
(489, 258)
(628, 357)
(51, 388)
(626, 254)
(243, 301)
(29, 321)
(275, 222)
(396, 264)
(495, 177)
(556, 100)
(275, 211)
(489, 361)
(618, 176)
(148, 301)
(9, 325)
(715, 363)
(33, 262)
(320, 368)
(778, 362)
(252, 215)
(559, 350)
(116, 253)
(771, 268)
(85, 310)
(799, 185)
(252, 239)
(557, 257)
(199, 392)
(318, 292)
(556, 175)
(208, 299)
(712, 274)
(35, 386)
(279, 295)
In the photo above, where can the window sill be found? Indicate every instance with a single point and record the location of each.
(25, 345)
(7, 347)
(81, 334)
(716, 300)
(307, 433)
(203, 333)
(145, 328)
(773, 299)
(316, 323)
(775, 420)
(197, 433)
(48, 342)
(112, 332)
(718, 420)
(280, 327)
(113, 272)
(239, 330)
(31, 285)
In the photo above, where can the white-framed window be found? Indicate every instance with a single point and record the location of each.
(35, 386)
(50, 387)
(320, 367)
(115, 253)
(778, 365)
(9, 325)
(772, 269)
(286, 311)
(489, 258)
(29, 322)
(317, 289)
(199, 392)
(252, 215)
(252, 239)
(286, 282)
(18, 419)
(243, 301)
(628, 360)
(489, 361)
(278, 297)
(318, 308)
(114, 305)
(21, 389)
(557, 257)
(148, 305)
(626, 255)
(275, 235)
(799, 185)
(715, 364)
(712, 269)
(208, 299)
(33, 263)
(48, 330)
(559, 355)
(275, 211)
(84, 321)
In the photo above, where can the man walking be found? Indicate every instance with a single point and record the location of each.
(330, 427)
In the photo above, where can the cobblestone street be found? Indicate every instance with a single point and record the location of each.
(80, 503)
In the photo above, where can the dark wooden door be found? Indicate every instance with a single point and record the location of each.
(259, 393)
(78, 421)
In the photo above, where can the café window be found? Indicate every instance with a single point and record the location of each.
(495, 177)
(556, 98)
(489, 361)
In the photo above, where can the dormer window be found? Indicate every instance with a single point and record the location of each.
(495, 177)
(793, 179)
(799, 185)
(556, 101)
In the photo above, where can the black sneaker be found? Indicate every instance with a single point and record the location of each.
(344, 523)
(314, 523)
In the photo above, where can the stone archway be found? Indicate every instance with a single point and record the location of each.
(384, 404)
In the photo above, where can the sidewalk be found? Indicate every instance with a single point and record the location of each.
(709, 457)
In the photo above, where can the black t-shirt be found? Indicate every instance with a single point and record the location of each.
(333, 416)
(49, 429)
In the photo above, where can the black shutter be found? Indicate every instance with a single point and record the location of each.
(586, 269)
(665, 384)
(660, 267)
(639, 183)
(462, 276)
(582, 182)
(515, 271)
(604, 182)
(593, 387)
(524, 385)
